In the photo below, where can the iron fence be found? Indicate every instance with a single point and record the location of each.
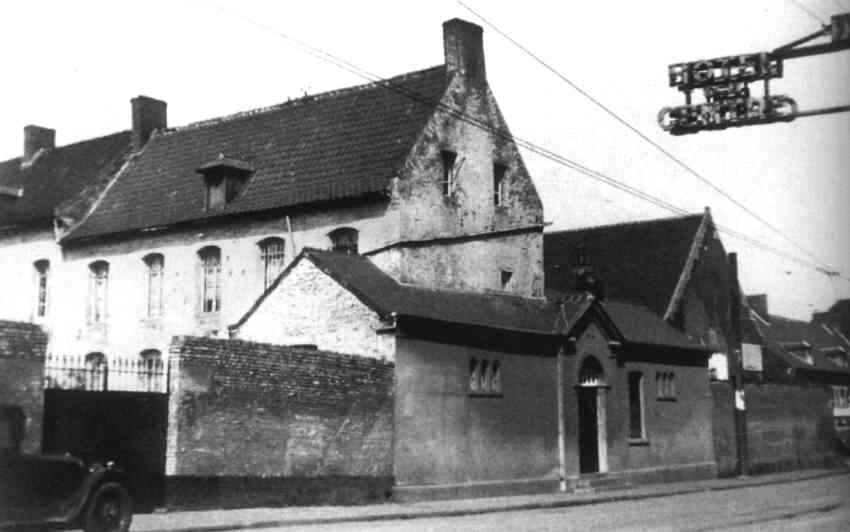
(84, 372)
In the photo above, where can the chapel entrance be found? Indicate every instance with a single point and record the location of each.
(592, 432)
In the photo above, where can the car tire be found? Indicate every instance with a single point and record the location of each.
(110, 509)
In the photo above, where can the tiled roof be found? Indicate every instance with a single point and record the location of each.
(57, 175)
(782, 335)
(639, 325)
(340, 144)
(503, 311)
(383, 294)
(638, 262)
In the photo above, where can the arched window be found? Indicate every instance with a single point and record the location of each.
(210, 257)
(272, 255)
(98, 290)
(42, 271)
(95, 378)
(344, 240)
(151, 370)
(154, 269)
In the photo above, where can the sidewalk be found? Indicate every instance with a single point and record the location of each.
(220, 520)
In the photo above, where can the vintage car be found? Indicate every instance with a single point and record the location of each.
(43, 491)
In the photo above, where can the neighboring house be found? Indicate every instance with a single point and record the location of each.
(794, 351)
(837, 317)
(677, 267)
(503, 390)
(32, 188)
(187, 236)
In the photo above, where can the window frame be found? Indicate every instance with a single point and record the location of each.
(485, 377)
(665, 386)
(449, 160)
(42, 294)
(637, 406)
(500, 172)
(98, 301)
(272, 260)
(154, 285)
(341, 241)
(210, 280)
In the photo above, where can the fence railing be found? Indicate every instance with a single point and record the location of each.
(72, 372)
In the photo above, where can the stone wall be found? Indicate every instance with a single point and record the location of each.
(309, 307)
(22, 351)
(259, 424)
(789, 426)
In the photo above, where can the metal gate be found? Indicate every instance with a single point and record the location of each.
(128, 428)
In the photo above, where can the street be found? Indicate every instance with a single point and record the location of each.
(821, 504)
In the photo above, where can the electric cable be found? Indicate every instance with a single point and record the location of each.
(643, 136)
(534, 148)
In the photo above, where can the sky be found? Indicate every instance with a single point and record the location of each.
(74, 66)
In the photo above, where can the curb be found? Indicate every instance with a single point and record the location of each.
(599, 498)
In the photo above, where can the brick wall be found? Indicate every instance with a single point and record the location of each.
(22, 349)
(788, 427)
(259, 424)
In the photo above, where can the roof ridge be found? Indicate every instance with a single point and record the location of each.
(72, 144)
(623, 224)
(308, 98)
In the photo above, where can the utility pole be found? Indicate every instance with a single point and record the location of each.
(736, 367)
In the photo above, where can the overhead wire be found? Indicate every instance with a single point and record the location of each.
(530, 146)
(643, 136)
(808, 11)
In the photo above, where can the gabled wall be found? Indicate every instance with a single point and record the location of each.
(309, 307)
(464, 240)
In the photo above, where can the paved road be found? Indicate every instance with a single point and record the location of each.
(821, 504)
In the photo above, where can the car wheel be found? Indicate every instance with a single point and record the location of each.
(110, 509)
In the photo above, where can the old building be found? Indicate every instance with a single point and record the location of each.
(498, 392)
(46, 179)
(388, 234)
(811, 353)
(190, 233)
(677, 267)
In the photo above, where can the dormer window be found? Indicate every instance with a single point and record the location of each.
(837, 356)
(802, 351)
(224, 179)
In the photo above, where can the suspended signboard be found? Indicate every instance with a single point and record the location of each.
(724, 70)
(722, 114)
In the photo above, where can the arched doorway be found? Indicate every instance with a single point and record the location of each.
(592, 431)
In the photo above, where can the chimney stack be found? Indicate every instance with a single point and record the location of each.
(149, 114)
(464, 49)
(758, 303)
(36, 138)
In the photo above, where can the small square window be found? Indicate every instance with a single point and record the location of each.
(665, 386)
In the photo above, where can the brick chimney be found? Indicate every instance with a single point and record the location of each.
(758, 303)
(149, 114)
(464, 49)
(36, 138)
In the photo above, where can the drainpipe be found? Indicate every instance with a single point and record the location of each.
(737, 369)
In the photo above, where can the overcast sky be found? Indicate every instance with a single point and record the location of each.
(73, 66)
